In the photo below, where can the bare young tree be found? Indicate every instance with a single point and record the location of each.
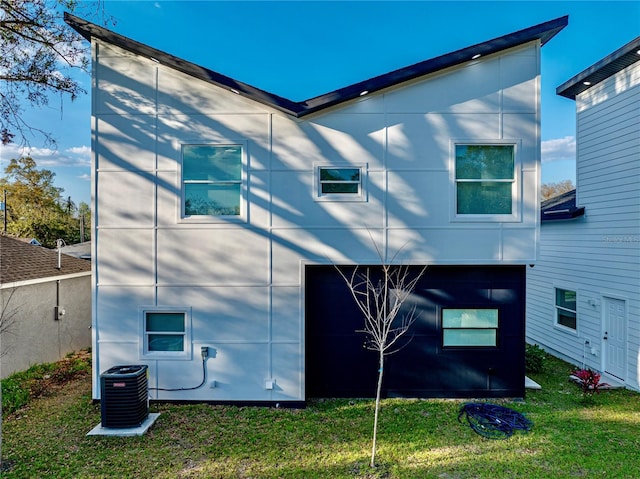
(380, 299)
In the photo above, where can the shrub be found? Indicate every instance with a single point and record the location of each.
(535, 358)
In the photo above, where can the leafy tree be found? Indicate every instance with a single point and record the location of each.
(38, 52)
(549, 190)
(34, 205)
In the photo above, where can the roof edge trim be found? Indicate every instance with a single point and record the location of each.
(601, 70)
(542, 33)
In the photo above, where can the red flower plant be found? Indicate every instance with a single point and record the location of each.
(589, 380)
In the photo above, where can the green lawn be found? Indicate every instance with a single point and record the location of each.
(330, 439)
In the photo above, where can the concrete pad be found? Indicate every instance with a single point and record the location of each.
(125, 431)
(531, 384)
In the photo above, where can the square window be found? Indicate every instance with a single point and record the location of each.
(485, 179)
(566, 312)
(336, 183)
(165, 333)
(211, 180)
(469, 327)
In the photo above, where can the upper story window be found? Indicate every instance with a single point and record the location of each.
(566, 312)
(485, 181)
(338, 183)
(211, 180)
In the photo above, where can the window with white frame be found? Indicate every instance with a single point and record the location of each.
(211, 180)
(485, 180)
(469, 327)
(335, 183)
(566, 313)
(166, 333)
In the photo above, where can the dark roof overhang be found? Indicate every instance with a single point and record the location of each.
(542, 32)
(561, 207)
(608, 66)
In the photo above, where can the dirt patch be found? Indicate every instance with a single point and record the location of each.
(71, 368)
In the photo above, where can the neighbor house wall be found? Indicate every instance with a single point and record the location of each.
(597, 255)
(242, 281)
(32, 334)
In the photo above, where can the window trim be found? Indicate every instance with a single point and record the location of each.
(241, 217)
(516, 187)
(144, 352)
(460, 346)
(360, 196)
(556, 309)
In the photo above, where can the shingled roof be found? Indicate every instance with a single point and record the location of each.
(542, 33)
(561, 207)
(20, 261)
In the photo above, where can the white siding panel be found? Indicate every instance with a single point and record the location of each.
(418, 198)
(125, 142)
(517, 246)
(176, 130)
(287, 309)
(125, 256)
(622, 81)
(523, 128)
(473, 88)
(424, 140)
(519, 78)
(169, 197)
(126, 83)
(233, 313)
(373, 103)
(179, 93)
(127, 197)
(288, 372)
(335, 138)
(121, 303)
(294, 204)
(463, 245)
(291, 247)
(234, 256)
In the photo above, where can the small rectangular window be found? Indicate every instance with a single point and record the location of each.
(469, 327)
(339, 180)
(337, 183)
(166, 333)
(211, 180)
(566, 312)
(485, 179)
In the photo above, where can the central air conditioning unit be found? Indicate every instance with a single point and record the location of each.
(124, 398)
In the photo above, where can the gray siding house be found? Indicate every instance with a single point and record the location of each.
(583, 295)
(45, 303)
(221, 210)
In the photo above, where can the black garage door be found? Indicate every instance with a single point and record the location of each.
(430, 364)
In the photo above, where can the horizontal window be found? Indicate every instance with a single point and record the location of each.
(336, 183)
(469, 327)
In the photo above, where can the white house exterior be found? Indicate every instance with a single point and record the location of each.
(583, 296)
(442, 156)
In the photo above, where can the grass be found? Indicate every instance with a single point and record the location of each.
(330, 438)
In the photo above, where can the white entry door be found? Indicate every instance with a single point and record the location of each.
(615, 336)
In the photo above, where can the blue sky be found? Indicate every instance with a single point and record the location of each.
(301, 49)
